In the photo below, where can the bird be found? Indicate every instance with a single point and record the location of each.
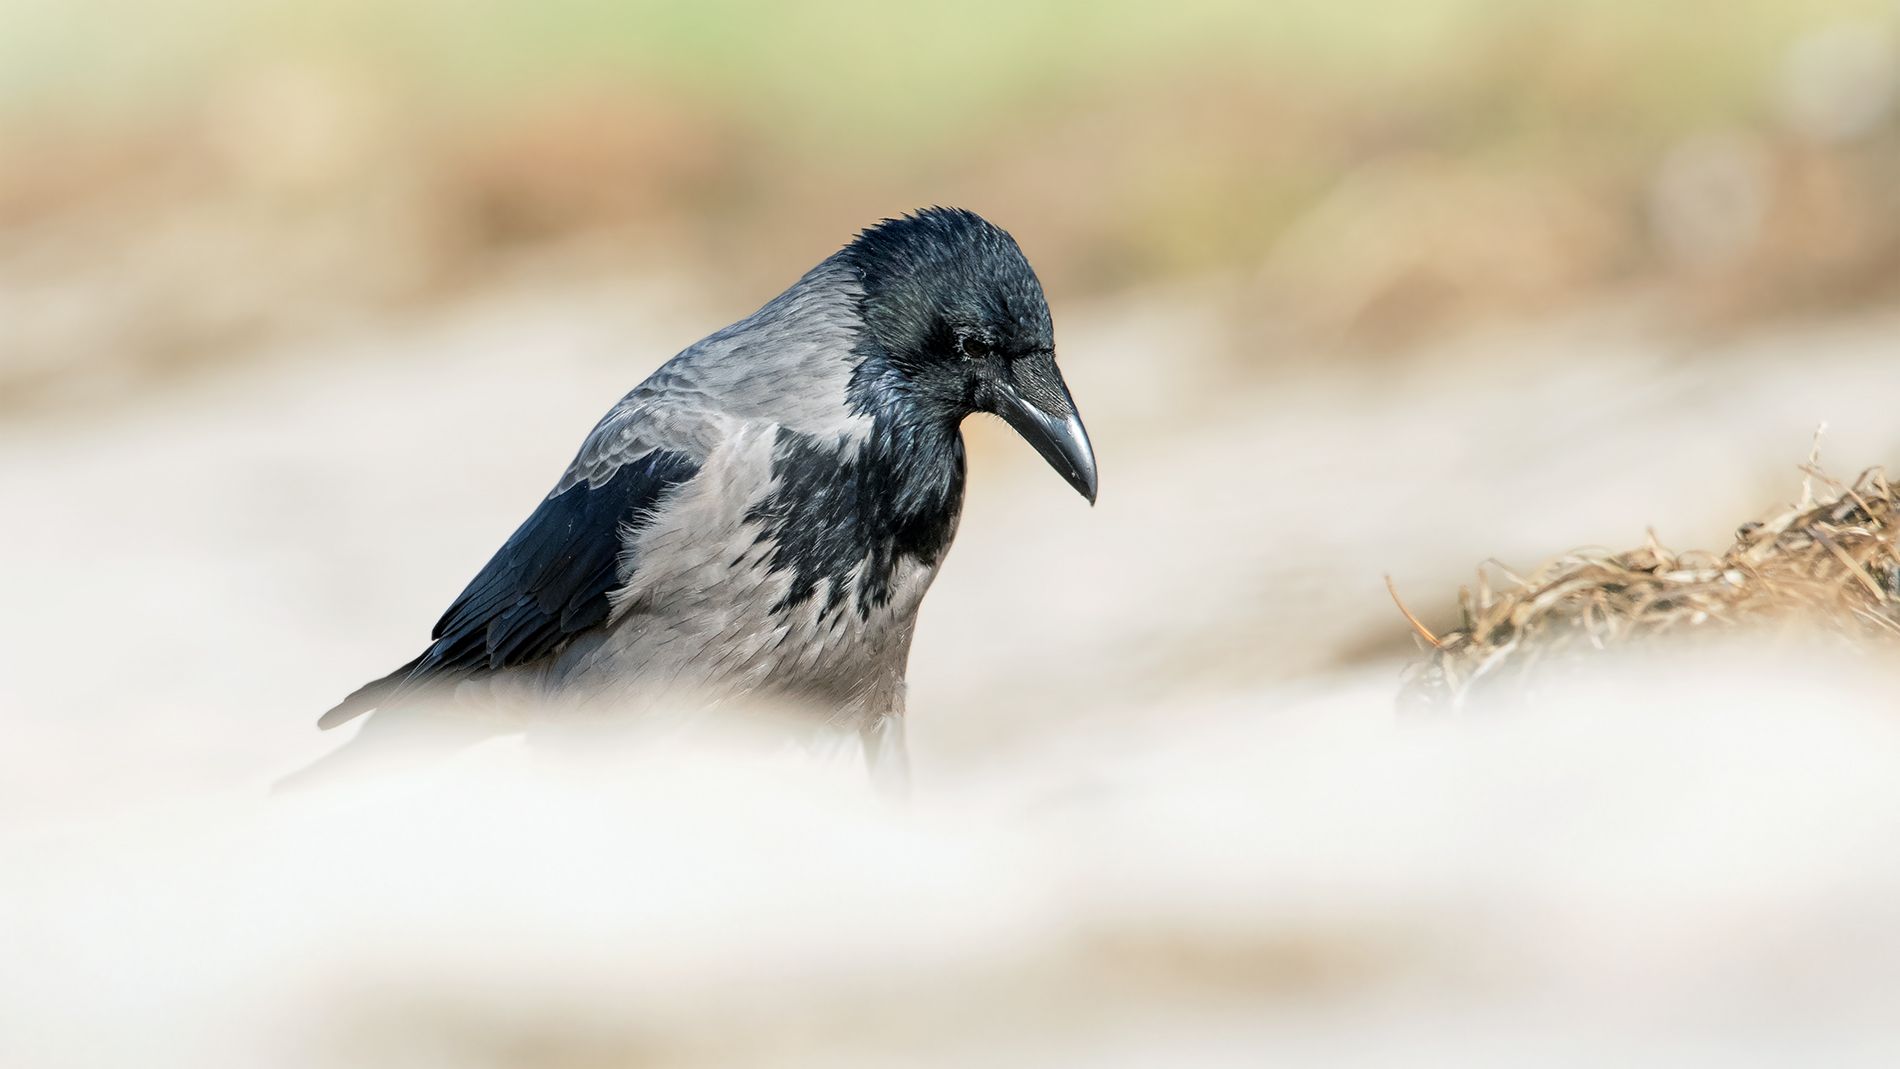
(761, 517)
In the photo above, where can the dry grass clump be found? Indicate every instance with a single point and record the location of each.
(1825, 570)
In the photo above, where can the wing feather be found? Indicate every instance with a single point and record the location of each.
(548, 582)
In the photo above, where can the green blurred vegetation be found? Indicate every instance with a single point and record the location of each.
(901, 75)
(1403, 163)
(914, 100)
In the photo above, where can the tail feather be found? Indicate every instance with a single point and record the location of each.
(367, 697)
(415, 737)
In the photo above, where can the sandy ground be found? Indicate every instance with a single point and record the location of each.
(1164, 811)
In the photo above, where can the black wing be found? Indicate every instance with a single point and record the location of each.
(548, 582)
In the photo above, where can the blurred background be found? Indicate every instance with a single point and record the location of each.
(303, 305)
(186, 183)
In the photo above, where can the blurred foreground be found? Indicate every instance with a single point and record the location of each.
(1686, 870)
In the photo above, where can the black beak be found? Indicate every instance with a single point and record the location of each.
(1049, 422)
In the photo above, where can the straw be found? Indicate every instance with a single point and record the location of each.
(1826, 566)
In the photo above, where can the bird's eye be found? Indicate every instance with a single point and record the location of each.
(974, 347)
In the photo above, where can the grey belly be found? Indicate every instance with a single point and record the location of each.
(713, 637)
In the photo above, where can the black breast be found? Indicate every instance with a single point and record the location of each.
(837, 505)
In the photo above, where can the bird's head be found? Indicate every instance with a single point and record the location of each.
(961, 321)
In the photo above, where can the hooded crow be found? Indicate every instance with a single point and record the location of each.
(761, 517)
